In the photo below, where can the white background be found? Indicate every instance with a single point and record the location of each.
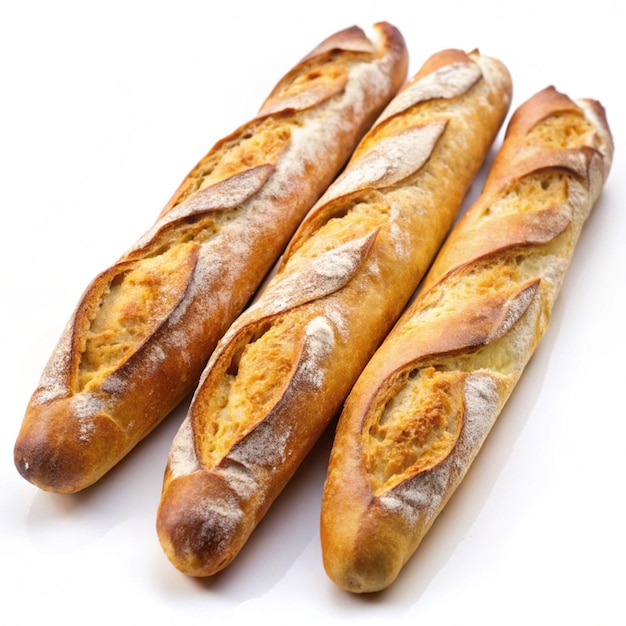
(104, 107)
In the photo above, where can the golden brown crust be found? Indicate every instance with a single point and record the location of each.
(144, 329)
(285, 366)
(424, 404)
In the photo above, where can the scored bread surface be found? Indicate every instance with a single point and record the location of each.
(144, 328)
(283, 369)
(426, 401)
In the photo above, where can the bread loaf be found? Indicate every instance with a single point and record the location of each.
(424, 404)
(144, 328)
(284, 368)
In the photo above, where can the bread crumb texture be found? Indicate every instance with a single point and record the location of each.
(247, 390)
(419, 442)
(135, 303)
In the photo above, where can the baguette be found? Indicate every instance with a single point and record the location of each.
(423, 406)
(144, 328)
(283, 369)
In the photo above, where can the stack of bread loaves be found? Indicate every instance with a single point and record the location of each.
(417, 388)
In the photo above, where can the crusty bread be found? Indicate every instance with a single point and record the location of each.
(283, 369)
(145, 327)
(424, 404)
